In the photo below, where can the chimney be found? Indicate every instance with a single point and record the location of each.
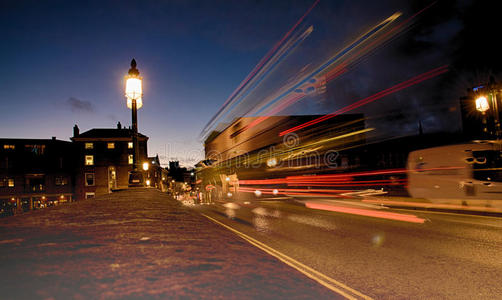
(53, 138)
(119, 126)
(76, 131)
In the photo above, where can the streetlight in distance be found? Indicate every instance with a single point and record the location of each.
(482, 104)
(134, 93)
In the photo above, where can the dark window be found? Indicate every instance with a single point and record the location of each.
(487, 165)
(36, 184)
(61, 180)
(35, 149)
(89, 179)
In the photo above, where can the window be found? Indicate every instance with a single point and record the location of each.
(61, 180)
(89, 160)
(9, 147)
(35, 149)
(110, 145)
(89, 179)
(89, 195)
(89, 146)
(10, 182)
(36, 184)
(129, 145)
(131, 159)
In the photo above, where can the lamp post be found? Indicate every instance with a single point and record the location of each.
(134, 93)
(487, 99)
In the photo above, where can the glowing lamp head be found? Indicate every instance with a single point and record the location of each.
(482, 104)
(148, 182)
(133, 89)
(257, 193)
(145, 166)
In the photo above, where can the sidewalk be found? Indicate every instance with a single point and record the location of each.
(137, 244)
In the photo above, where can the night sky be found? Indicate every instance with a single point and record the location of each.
(64, 62)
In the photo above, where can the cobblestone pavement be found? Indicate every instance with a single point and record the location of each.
(137, 244)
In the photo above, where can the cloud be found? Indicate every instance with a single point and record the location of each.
(77, 105)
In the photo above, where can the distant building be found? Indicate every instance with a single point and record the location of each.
(157, 176)
(177, 172)
(104, 159)
(35, 173)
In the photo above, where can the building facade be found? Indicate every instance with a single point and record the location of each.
(35, 173)
(156, 176)
(104, 159)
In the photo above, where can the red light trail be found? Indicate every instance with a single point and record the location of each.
(405, 84)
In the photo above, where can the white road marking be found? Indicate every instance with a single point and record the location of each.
(324, 280)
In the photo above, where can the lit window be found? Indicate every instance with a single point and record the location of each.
(129, 145)
(10, 182)
(89, 195)
(89, 146)
(130, 159)
(89, 160)
(9, 147)
(89, 179)
(110, 145)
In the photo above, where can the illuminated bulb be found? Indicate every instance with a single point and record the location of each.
(275, 192)
(145, 166)
(257, 193)
(147, 182)
(227, 179)
(133, 91)
(482, 104)
(229, 195)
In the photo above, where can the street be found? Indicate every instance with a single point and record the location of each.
(447, 256)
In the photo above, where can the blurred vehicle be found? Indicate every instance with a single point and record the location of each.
(467, 174)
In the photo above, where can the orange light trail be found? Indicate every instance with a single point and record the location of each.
(366, 212)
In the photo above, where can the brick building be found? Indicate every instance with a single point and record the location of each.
(104, 158)
(35, 173)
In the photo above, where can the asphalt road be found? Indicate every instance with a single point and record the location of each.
(415, 255)
(138, 244)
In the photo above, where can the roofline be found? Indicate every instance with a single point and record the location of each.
(29, 139)
(107, 139)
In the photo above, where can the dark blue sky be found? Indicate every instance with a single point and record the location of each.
(63, 62)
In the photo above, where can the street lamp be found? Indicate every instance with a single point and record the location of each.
(487, 100)
(134, 93)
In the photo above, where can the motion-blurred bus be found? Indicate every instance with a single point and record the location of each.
(467, 174)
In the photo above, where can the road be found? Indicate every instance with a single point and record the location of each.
(426, 255)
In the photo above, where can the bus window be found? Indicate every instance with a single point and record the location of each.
(487, 165)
